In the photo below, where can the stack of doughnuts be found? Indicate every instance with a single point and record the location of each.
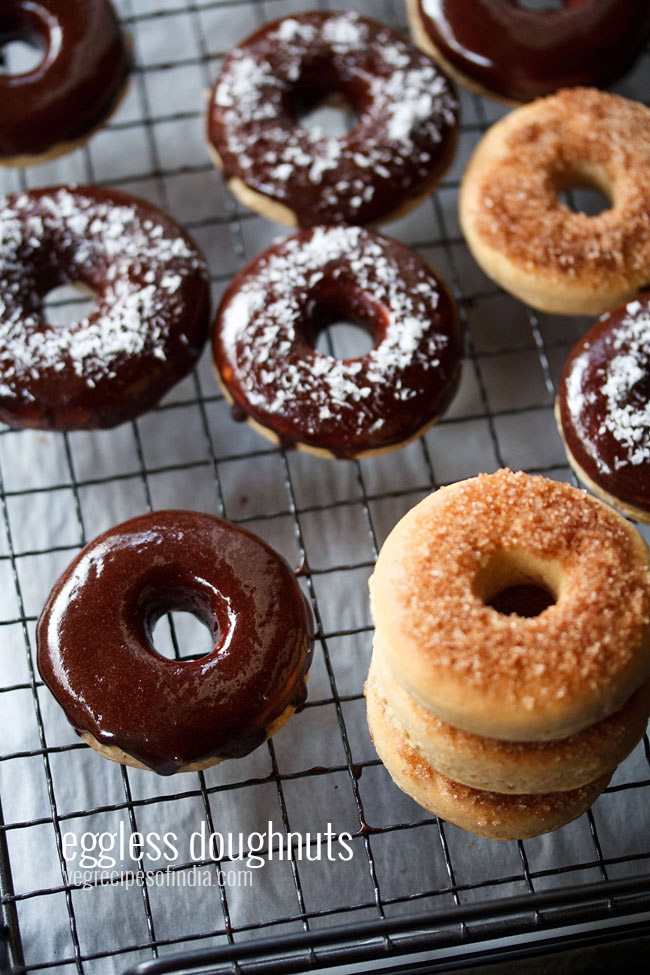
(511, 661)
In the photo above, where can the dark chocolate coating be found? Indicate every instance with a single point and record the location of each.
(95, 651)
(604, 403)
(85, 65)
(150, 319)
(402, 143)
(520, 54)
(267, 323)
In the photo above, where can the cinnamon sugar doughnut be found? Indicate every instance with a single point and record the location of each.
(512, 767)
(533, 245)
(502, 676)
(603, 409)
(394, 156)
(490, 814)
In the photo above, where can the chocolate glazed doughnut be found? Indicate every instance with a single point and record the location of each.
(603, 408)
(85, 66)
(271, 314)
(500, 48)
(397, 152)
(95, 650)
(147, 328)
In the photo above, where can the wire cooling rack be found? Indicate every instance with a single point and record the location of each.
(414, 882)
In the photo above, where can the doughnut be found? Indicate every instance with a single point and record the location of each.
(489, 814)
(394, 156)
(268, 321)
(501, 49)
(145, 332)
(515, 677)
(603, 408)
(82, 76)
(96, 653)
(511, 767)
(533, 245)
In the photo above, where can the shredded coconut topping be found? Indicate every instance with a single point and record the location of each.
(135, 263)
(266, 353)
(607, 391)
(408, 111)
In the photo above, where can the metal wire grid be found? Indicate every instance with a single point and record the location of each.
(504, 424)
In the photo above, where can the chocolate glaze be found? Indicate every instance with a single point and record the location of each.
(270, 314)
(147, 328)
(521, 54)
(85, 64)
(604, 403)
(403, 142)
(96, 655)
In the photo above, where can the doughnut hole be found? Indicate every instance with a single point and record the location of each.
(181, 624)
(328, 114)
(548, 6)
(584, 188)
(347, 325)
(516, 583)
(325, 103)
(66, 304)
(24, 40)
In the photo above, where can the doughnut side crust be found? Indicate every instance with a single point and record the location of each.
(505, 677)
(488, 814)
(529, 242)
(114, 754)
(513, 767)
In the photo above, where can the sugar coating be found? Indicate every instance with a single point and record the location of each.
(549, 144)
(596, 633)
(408, 112)
(621, 378)
(137, 264)
(263, 322)
(492, 814)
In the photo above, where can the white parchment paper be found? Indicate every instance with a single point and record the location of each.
(62, 490)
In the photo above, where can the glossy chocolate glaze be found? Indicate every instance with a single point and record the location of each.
(268, 319)
(403, 141)
(604, 403)
(84, 68)
(521, 54)
(96, 655)
(150, 319)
